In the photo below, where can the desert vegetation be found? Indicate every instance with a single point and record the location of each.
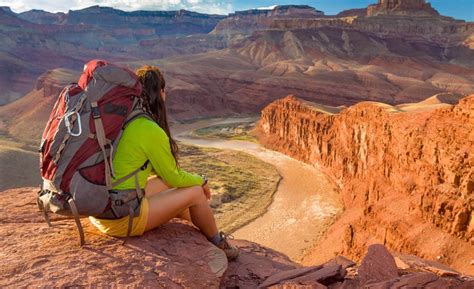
(242, 184)
(231, 131)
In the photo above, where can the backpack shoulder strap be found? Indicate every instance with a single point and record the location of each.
(136, 113)
(135, 172)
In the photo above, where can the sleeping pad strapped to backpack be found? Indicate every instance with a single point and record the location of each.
(79, 141)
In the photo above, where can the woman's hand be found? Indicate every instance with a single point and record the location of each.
(207, 191)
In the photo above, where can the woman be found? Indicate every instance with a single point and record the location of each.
(143, 140)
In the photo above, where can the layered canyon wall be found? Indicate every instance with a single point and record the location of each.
(406, 173)
(401, 7)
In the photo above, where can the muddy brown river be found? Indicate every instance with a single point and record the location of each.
(304, 205)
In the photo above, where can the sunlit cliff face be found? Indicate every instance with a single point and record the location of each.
(400, 7)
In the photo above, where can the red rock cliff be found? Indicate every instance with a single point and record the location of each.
(403, 175)
(401, 7)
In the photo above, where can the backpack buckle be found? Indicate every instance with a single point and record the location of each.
(144, 166)
(95, 111)
(118, 202)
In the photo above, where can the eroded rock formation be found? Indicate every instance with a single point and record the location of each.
(406, 173)
(176, 255)
(251, 20)
(181, 22)
(52, 82)
(401, 7)
(245, 63)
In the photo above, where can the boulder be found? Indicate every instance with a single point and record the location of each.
(377, 266)
(318, 276)
(410, 262)
(289, 275)
(255, 264)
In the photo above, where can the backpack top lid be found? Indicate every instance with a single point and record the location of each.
(108, 73)
(88, 72)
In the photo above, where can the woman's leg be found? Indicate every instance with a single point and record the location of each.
(156, 185)
(167, 205)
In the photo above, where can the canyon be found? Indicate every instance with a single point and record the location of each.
(374, 106)
(405, 173)
(241, 62)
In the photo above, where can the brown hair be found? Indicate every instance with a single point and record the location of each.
(153, 83)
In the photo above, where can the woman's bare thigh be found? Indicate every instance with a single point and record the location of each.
(170, 204)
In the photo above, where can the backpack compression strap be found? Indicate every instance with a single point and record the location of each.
(73, 208)
(139, 195)
(130, 210)
(101, 139)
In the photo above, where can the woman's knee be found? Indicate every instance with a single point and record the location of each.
(197, 195)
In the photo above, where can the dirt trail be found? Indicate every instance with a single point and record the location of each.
(304, 205)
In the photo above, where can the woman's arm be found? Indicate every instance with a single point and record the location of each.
(155, 144)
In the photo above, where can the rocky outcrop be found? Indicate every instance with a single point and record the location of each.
(361, 12)
(256, 19)
(401, 7)
(175, 255)
(441, 30)
(25, 118)
(409, 19)
(294, 11)
(179, 22)
(42, 17)
(52, 82)
(405, 172)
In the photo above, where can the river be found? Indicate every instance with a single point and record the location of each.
(305, 203)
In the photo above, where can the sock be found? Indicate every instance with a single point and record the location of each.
(216, 239)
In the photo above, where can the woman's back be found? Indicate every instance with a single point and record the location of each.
(144, 140)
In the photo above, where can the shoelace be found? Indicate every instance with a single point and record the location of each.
(226, 237)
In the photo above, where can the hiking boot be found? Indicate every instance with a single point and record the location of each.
(232, 252)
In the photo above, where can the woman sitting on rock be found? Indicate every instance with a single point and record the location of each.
(144, 139)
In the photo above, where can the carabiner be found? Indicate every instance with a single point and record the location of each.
(68, 123)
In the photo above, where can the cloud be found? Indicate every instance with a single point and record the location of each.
(203, 6)
(267, 8)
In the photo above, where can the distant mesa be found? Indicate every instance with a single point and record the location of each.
(108, 17)
(5, 9)
(401, 7)
(362, 12)
(282, 10)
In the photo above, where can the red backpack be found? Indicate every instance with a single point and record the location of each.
(79, 142)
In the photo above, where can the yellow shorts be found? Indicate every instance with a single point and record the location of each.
(118, 228)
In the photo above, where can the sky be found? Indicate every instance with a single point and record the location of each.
(459, 9)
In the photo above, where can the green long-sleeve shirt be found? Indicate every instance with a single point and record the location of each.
(144, 140)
